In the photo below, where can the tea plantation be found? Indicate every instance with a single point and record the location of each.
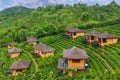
(103, 64)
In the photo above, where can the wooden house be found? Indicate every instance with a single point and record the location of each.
(43, 50)
(73, 58)
(92, 36)
(1, 63)
(14, 52)
(74, 32)
(19, 66)
(10, 44)
(107, 38)
(32, 40)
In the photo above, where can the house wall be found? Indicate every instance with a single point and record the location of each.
(115, 40)
(36, 51)
(71, 64)
(9, 46)
(78, 34)
(74, 36)
(32, 43)
(48, 54)
(44, 54)
(95, 38)
(109, 41)
(67, 33)
(15, 72)
(13, 55)
(89, 39)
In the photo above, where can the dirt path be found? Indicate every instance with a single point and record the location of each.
(35, 63)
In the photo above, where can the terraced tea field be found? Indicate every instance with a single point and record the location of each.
(103, 65)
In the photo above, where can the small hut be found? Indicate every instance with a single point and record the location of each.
(92, 36)
(14, 52)
(74, 32)
(32, 40)
(73, 58)
(1, 63)
(19, 66)
(43, 50)
(10, 44)
(107, 38)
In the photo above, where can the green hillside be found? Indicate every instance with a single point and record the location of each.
(48, 24)
(53, 19)
(46, 68)
(12, 11)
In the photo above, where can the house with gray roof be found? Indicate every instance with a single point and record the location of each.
(92, 36)
(19, 66)
(73, 58)
(107, 38)
(14, 52)
(32, 40)
(74, 32)
(43, 50)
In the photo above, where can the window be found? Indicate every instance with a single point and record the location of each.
(92, 37)
(19, 70)
(104, 40)
(68, 32)
(74, 34)
(99, 40)
(88, 37)
(75, 60)
(65, 62)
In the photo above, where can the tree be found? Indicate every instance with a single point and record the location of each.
(85, 17)
(22, 35)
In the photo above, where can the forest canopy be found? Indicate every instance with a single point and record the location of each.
(19, 22)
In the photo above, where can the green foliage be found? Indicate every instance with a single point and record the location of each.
(48, 23)
(47, 67)
(85, 17)
(14, 11)
(53, 19)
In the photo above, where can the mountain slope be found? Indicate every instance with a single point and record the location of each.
(16, 10)
(53, 19)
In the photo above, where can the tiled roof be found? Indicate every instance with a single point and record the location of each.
(44, 48)
(20, 64)
(93, 33)
(75, 53)
(32, 39)
(14, 50)
(74, 30)
(106, 35)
